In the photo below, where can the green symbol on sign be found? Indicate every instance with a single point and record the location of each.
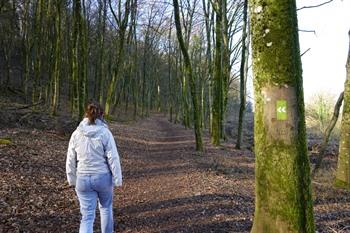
(281, 107)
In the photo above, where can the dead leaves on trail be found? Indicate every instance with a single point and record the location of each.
(34, 194)
(167, 186)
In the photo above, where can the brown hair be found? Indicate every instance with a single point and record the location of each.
(93, 111)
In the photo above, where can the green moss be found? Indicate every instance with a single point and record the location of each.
(5, 141)
(281, 194)
(341, 184)
(108, 117)
(283, 190)
(272, 42)
(343, 168)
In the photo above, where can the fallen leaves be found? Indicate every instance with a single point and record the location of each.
(167, 187)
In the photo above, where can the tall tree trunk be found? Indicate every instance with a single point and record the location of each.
(122, 23)
(84, 30)
(26, 45)
(242, 75)
(226, 68)
(218, 76)
(99, 72)
(282, 174)
(37, 48)
(343, 169)
(208, 28)
(184, 95)
(170, 86)
(57, 65)
(189, 74)
(79, 60)
(7, 57)
(75, 73)
(144, 78)
(327, 133)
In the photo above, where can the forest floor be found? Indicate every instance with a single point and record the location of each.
(168, 187)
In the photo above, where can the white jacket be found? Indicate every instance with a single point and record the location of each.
(92, 150)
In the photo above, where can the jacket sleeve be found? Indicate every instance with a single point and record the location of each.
(113, 159)
(71, 163)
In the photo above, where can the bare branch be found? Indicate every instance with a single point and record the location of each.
(314, 6)
(305, 52)
(302, 30)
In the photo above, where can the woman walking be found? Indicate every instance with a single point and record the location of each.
(93, 167)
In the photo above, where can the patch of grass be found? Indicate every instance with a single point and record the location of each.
(4, 141)
(341, 184)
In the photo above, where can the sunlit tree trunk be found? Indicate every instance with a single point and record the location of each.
(343, 169)
(208, 29)
(327, 133)
(189, 75)
(184, 96)
(170, 77)
(226, 68)
(282, 174)
(218, 75)
(122, 23)
(79, 60)
(243, 75)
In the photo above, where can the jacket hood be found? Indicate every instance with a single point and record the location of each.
(91, 130)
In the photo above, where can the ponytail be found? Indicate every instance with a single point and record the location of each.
(93, 111)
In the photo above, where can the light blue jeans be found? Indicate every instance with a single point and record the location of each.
(89, 189)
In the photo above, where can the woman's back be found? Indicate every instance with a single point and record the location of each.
(89, 142)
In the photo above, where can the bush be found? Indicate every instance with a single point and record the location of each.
(319, 112)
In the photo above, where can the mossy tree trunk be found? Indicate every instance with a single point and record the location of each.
(184, 95)
(218, 75)
(135, 82)
(327, 133)
(38, 36)
(26, 46)
(226, 67)
(57, 64)
(170, 83)
(343, 169)
(100, 41)
(208, 28)
(221, 72)
(122, 22)
(243, 75)
(283, 191)
(190, 76)
(79, 60)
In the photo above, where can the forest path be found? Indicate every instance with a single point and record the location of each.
(168, 187)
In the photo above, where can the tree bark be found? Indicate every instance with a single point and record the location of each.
(343, 170)
(327, 134)
(57, 64)
(78, 65)
(218, 76)
(243, 76)
(189, 75)
(122, 23)
(282, 174)
(208, 28)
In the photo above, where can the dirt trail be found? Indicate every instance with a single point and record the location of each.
(168, 187)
